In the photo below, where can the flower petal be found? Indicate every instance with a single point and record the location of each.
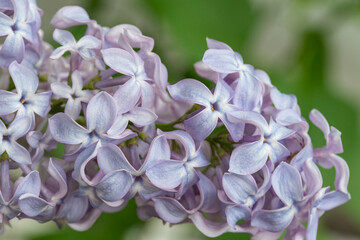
(192, 91)
(248, 93)
(19, 127)
(32, 206)
(24, 79)
(114, 186)
(141, 116)
(120, 60)
(101, 112)
(239, 187)
(9, 102)
(18, 153)
(202, 124)
(236, 213)
(64, 37)
(223, 60)
(167, 174)
(249, 158)
(30, 184)
(170, 210)
(127, 95)
(66, 130)
(332, 200)
(61, 89)
(286, 182)
(110, 158)
(12, 49)
(73, 208)
(273, 220)
(69, 16)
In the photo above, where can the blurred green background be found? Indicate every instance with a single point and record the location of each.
(308, 48)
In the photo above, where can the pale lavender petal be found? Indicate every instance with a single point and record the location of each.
(236, 213)
(223, 92)
(30, 184)
(158, 150)
(89, 42)
(208, 228)
(205, 71)
(332, 200)
(101, 112)
(286, 182)
(312, 226)
(248, 93)
(342, 173)
(236, 130)
(64, 37)
(59, 175)
(170, 210)
(21, 9)
(167, 174)
(61, 89)
(73, 208)
(288, 117)
(238, 188)
(70, 16)
(41, 103)
(141, 116)
(13, 49)
(5, 24)
(33, 138)
(9, 102)
(192, 91)
(214, 44)
(32, 206)
(281, 100)
(110, 158)
(57, 53)
(127, 95)
(249, 158)
(85, 223)
(73, 108)
(249, 117)
(18, 153)
(114, 186)
(202, 124)
(262, 76)
(66, 130)
(24, 79)
(119, 125)
(273, 220)
(19, 127)
(277, 151)
(320, 121)
(120, 60)
(278, 132)
(147, 95)
(313, 177)
(223, 60)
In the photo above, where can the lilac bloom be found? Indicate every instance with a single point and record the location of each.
(9, 205)
(216, 105)
(243, 191)
(40, 143)
(110, 157)
(26, 101)
(74, 95)
(248, 158)
(131, 65)
(174, 211)
(127, 36)
(107, 187)
(287, 184)
(326, 156)
(100, 116)
(286, 104)
(84, 47)
(17, 30)
(8, 136)
(140, 116)
(323, 201)
(168, 174)
(70, 16)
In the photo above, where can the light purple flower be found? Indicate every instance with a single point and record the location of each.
(84, 47)
(100, 116)
(26, 101)
(8, 136)
(131, 65)
(248, 158)
(17, 29)
(287, 184)
(74, 95)
(69, 16)
(40, 143)
(216, 105)
(168, 174)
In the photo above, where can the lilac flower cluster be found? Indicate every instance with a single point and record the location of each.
(237, 158)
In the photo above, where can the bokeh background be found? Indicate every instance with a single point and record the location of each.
(310, 48)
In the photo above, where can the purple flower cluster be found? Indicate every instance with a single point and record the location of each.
(237, 158)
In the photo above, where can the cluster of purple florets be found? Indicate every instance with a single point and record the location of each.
(237, 158)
